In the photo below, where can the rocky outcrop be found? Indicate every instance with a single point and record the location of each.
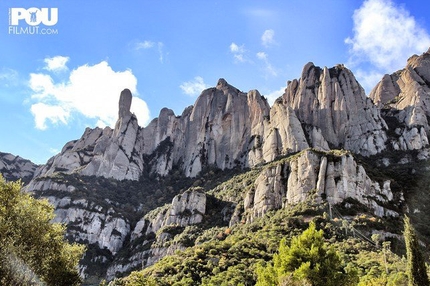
(14, 168)
(156, 231)
(226, 128)
(332, 101)
(107, 152)
(316, 177)
(186, 209)
(90, 223)
(324, 110)
(405, 99)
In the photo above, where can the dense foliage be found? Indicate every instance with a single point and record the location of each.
(307, 258)
(417, 273)
(240, 254)
(32, 249)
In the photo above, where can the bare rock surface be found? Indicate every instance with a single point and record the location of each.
(14, 167)
(406, 96)
(316, 176)
(333, 101)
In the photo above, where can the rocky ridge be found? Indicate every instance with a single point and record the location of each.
(227, 128)
(309, 146)
(14, 167)
(404, 99)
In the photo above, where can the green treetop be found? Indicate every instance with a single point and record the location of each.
(416, 267)
(33, 250)
(307, 260)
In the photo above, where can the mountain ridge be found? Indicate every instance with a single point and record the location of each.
(322, 141)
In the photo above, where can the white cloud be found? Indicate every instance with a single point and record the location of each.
(239, 53)
(262, 55)
(368, 79)
(160, 46)
(90, 91)
(385, 35)
(267, 38)
(56, 64)
(234, 48)
(146, 45)
(268, 67)
(194, 87)
(43, 112)
(273, 95)
(8, 77)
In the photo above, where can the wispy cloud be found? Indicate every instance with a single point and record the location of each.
(160, 46)
(267, 39)
(239, 53)
(234, 48)
(146, 45)
(8, 77)
(56, 64)
(268, 67)
(89, 91)
(194, 87)
(384, 36)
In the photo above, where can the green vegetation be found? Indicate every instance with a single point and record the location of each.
(250, 253)
(307, 259)
(417, 273)
(295, 245)
(32, 249)
(241, 254)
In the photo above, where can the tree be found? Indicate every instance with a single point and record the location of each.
(33, 250)
(416, 267)
(307, 260)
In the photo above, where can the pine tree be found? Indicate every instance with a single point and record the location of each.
(416, 267)
(308, 259)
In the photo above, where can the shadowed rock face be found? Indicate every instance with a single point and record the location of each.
(14, 168)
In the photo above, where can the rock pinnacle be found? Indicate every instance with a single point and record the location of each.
(124, 103)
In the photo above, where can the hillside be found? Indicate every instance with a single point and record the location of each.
(216, 188)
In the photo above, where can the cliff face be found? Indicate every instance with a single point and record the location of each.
(404, 97)
(315, 144)
(316, 176)
(226, 128)
(14, 168)
(333, 101)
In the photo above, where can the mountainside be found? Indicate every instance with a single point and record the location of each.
(14, 168)
(136, 194)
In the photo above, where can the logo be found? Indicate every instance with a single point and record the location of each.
(28, 21)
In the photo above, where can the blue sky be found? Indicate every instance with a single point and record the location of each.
(68, 75)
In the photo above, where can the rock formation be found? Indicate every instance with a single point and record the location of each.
(90, 223)
(405, 96)
(103, 152)
(309, 146)
(316, 176)
(155, 229)
(14, 167)
(334, 102)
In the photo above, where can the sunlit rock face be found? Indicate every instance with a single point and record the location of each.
(317, 177)
(404, 97)
(325, 109)
(332, 101)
